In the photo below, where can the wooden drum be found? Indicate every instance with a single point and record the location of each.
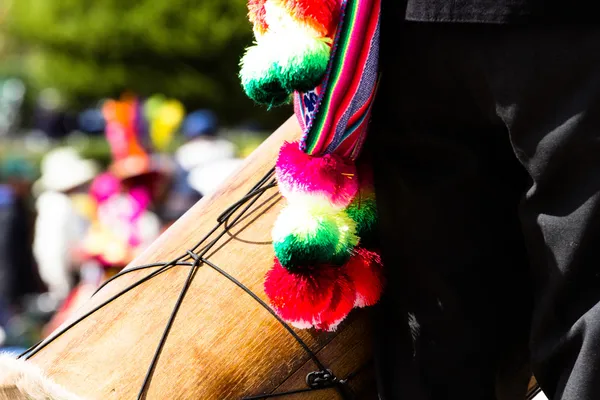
(222, 344)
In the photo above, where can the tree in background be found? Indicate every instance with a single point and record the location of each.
(187, 49)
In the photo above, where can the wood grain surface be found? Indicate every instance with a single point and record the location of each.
(222, 345)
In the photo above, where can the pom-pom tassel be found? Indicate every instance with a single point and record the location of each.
(321, 16)
(257, 16)
(320, 297)
(306, 235)
(366, 274)
(302, 61)
(327, 180)
(363, 211)
(280, 64)
(259, 77)
(342, 302)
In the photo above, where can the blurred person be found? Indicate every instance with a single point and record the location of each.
(124, 222)
(91, 276)
(144, 191)
(91, 121)
(8, 255)
(202, 146)
(12, 96)
(124, 198)
(59, 225)
(127, 195)
(123, 225)
(19, 277)
(181, 196)
(207, 178)
(50, 116)
(18, 274)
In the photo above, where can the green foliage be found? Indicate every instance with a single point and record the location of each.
(186, 49)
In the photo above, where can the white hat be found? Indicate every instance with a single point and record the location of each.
(63, 169)
(204, 151)
(206, 179)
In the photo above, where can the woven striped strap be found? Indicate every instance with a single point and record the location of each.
(335, 115)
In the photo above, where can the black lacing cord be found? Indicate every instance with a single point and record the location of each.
(194, 258)
(33, 350)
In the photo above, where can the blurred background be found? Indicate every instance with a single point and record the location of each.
(116, 116)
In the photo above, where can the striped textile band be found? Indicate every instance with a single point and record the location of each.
(334, 116)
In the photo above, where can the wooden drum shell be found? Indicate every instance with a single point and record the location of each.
(223, 344)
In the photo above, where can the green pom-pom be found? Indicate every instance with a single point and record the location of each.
(259, 77)
(303, 62)
(282, 63)
(363, 211)
(304, 236)
(268, 92)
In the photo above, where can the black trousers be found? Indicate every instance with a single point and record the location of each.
(486, 141)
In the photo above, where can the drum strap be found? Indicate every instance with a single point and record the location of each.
(195, 258)
(335, 115)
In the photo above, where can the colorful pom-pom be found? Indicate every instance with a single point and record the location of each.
(297, 60)
(363, 211)
(319, 274)
(329, 179)
(307, 235)
(321, 15)
(300, 298)
(290, 55)
(366, 273)
(302, 61)
(259, 76)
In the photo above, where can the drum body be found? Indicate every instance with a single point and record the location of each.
(223, 344)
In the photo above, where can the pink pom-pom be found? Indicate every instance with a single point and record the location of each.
(365, 271)
(342, 303)
(327, 178)
(299, 298)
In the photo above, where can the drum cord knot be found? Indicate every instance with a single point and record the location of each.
(194, 258)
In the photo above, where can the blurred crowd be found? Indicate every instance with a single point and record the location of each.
(70, 223)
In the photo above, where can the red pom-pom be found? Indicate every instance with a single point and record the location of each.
(320, 297)
(321, 15)
(342, 302)
(257, 14)
(365, 271)
(299, 298)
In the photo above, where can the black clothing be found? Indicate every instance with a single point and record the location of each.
(486, 142)
(18, 273)
(502, 11)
